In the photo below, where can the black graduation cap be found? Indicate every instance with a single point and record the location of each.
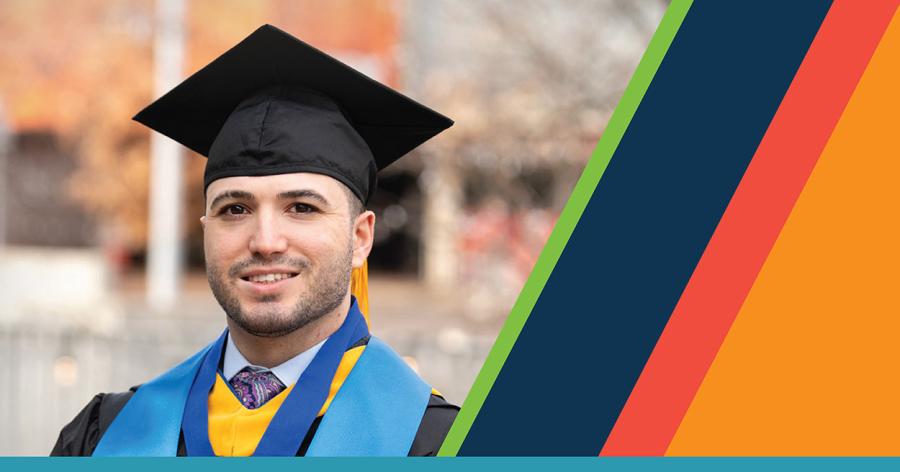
(273, 104)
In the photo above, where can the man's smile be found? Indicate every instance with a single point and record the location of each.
(268, 278)
(265, 282)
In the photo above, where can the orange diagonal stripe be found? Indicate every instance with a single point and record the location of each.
(749, 227)
(809, 366)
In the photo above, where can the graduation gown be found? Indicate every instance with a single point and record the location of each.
(82, 435)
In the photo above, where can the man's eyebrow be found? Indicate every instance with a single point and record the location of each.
(305, 193)
(232, 195)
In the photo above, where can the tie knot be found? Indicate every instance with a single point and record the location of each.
(254, 386)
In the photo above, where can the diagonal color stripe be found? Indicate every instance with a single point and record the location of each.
(751, 223)
(645, 227)
(618, 123)
(809, 366)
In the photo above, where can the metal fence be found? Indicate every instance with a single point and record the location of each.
(50, 367)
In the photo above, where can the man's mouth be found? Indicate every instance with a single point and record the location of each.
(269, 278)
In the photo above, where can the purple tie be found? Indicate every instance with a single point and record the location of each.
(254, 386)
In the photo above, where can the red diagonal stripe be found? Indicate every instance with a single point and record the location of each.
(749, 227)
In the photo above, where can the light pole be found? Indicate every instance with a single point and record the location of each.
(164, 252)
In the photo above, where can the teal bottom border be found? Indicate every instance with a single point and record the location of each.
(467, 464)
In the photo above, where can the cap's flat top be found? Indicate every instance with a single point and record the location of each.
(194, 112)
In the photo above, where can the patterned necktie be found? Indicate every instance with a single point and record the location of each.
(254, 386)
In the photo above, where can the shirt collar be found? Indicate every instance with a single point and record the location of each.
(287, 372)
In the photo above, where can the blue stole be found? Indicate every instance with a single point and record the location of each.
(376, 412)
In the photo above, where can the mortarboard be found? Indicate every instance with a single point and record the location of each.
(273, 104)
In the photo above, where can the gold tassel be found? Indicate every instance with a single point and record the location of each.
(359, 288)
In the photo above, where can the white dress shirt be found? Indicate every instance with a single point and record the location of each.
(287, 372)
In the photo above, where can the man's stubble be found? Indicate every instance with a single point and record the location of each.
(326, 290)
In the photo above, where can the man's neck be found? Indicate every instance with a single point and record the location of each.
(270, 352)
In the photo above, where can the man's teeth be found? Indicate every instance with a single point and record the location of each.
(266, 278)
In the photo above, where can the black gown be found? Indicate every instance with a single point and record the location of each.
(80, 437)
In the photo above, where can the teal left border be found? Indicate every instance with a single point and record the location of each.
(442, 464)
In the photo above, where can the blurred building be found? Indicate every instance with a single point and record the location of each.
(35, 212)
(531, 85)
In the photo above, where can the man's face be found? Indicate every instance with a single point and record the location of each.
(279, 249)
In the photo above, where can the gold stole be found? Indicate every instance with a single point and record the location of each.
(235, 431)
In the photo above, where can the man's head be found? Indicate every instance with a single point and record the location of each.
(280, 248)
(292, 137)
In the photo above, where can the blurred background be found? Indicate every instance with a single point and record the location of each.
(101, 257)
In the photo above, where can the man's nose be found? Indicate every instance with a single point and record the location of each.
(267, 239)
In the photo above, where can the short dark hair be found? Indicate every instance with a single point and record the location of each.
(357, 207)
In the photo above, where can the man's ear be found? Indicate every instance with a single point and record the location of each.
(203, 222)
(363, 237)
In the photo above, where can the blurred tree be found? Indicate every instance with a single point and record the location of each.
(83, 69)
(530, 84)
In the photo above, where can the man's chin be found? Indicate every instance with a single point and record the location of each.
(267, 326)
(268, 332)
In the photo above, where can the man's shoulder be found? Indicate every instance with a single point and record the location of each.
(435, 424)
(439, 414)
(112, 404)
(81, 436)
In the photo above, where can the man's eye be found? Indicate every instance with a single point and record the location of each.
(303, 208)
(234, 210)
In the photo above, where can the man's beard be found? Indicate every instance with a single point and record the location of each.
(325, 292)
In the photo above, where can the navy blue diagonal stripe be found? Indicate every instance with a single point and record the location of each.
(643, 232)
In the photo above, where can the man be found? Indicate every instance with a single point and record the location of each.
(294, 139)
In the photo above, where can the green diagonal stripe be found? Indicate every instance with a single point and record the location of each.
(607, 145)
